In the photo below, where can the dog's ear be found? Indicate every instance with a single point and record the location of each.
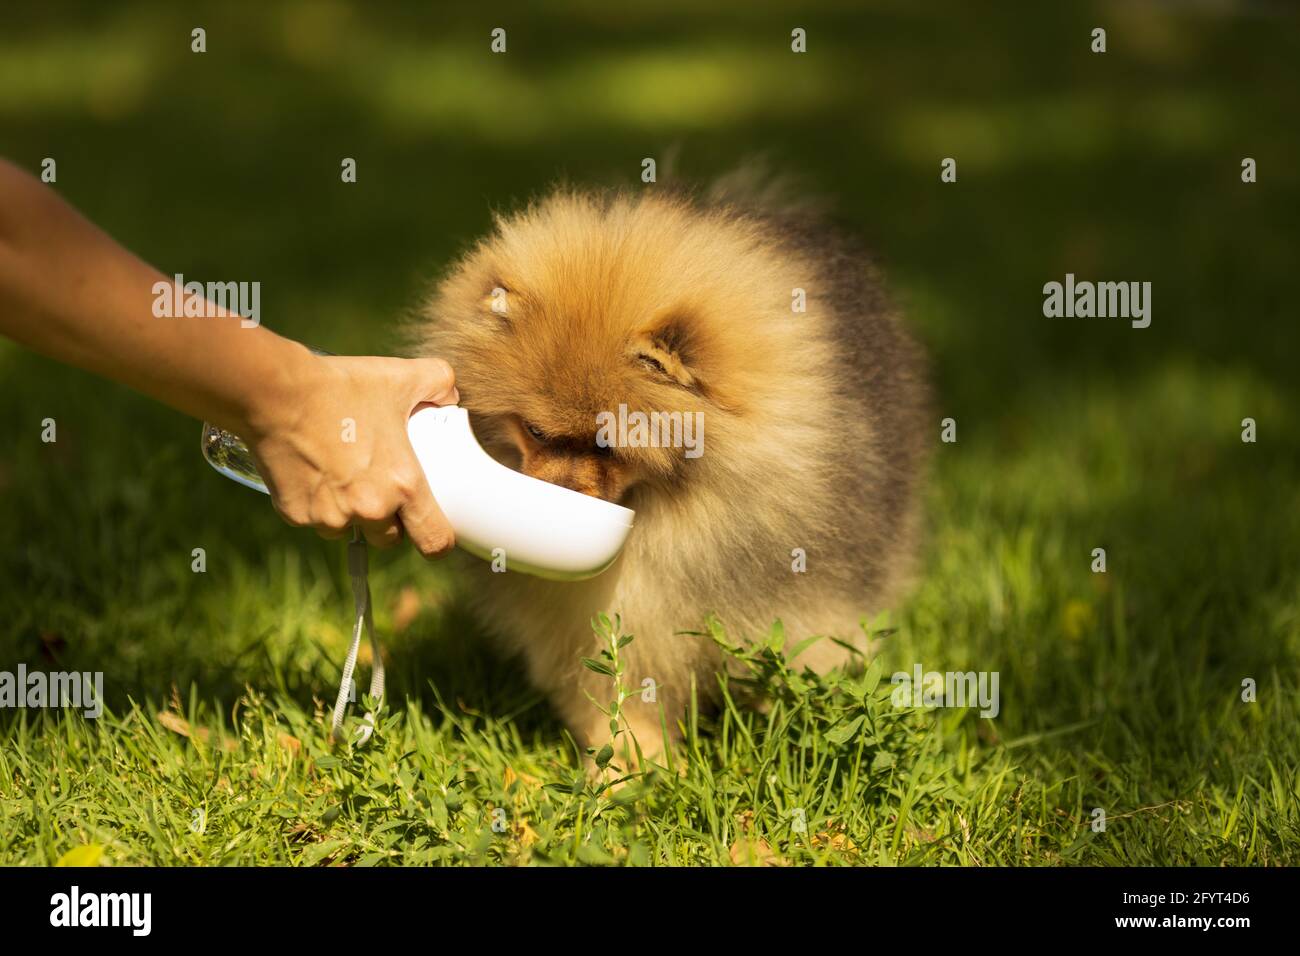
(668, 348)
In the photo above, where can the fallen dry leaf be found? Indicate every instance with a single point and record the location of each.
(748, 851)
(921, 835)
(527, 779)
(835, 841)
(406, 609)
(525, 835)
(179, 725)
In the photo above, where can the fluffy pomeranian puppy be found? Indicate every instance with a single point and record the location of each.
(799, 502)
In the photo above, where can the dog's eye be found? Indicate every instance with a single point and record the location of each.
(652, 363)
(537, 433)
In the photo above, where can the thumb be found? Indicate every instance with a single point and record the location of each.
(432, 380)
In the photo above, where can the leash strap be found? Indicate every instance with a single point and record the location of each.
(358, 571)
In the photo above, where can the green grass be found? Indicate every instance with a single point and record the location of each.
(1119, 691)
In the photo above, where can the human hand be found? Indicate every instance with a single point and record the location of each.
(333, 450)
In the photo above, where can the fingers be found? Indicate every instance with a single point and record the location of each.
(330, 527)
(333, 524)
(423, 520)
(322, 513)
(412, 511)
(382, 534)
(433, 381)
(330, 523)
(374, 511)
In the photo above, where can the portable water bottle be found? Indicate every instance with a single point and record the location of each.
(498, 514)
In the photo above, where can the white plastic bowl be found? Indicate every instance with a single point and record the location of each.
(539, 528)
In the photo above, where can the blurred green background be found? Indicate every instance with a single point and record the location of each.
(1073, 434)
